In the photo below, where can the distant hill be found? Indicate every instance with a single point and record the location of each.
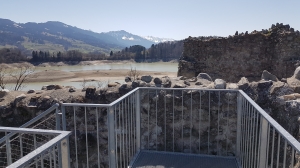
(57, 36)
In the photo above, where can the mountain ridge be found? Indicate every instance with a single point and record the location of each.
(56, 36)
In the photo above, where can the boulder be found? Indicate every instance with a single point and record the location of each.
(243, 84)
(294, 81)
(166, 82)
(203, 79)
(72, 89)
(141, 84)
(193, 79)
(204, 76)
(157, 81)
(187, 82)
(179, 85)
(146, 78)
(90, 92)
(268, 76)
(58, 87)
(280, 89)
(233, 86)
(125, 88)
(21, 96)
(45, 98)
(220, 84)
(34, 98)
(31, 91)
(136, 84)
(50, 87)
(297, 73)
(44, 87)
(263, 85)
(127, 79)
(3, 92)
(198, 83)
(112, 84)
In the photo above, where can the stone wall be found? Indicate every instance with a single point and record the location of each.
(186, 121)
(276, 50)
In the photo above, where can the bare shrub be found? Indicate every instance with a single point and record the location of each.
(21, 75)
(133, 74)
(83, 83)
(101, 84)
(3, 74)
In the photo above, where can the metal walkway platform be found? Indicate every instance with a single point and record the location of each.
(156, 159)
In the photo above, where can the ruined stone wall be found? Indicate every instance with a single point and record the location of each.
(276, 50)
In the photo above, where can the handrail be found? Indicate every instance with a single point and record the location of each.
(124, 96)
(40, 150)
(286, 135)
(85, 105)
(200, 89)
(32, 121)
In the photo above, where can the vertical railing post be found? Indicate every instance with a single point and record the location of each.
(57, 119)
(63, 111)
(8, 149)
(111, 138)
(60, 119)
(138, 120)
(65, 153)
(263, 142)
(239, 122)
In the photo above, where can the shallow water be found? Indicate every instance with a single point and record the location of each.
(156, 67)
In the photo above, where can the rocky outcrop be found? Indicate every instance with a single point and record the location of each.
(275, 50)
(276, 97)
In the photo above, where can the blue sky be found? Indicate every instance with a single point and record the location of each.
(176, 19)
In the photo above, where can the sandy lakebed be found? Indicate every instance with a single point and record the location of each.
(46, 73)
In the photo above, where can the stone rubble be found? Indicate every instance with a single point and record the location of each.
(278, 98)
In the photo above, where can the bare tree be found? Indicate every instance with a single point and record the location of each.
(3, 75)
(21, 75)
(133, 74)
(83, 83)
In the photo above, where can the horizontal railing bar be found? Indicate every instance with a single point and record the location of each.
(42, 149)
(40, 116)
(31, 130)
(286, 135)
(123, 97)
(84, 105)
(101, 105)
(33, 120)
(200, 89)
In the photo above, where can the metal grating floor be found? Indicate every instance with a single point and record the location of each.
(155, 159)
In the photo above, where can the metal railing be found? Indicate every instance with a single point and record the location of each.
(262, 142)
(103, 134)
(28, 147)
(199, 121)
(49, 119)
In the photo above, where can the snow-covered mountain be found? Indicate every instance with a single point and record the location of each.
(157, 39)
(129, 39)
